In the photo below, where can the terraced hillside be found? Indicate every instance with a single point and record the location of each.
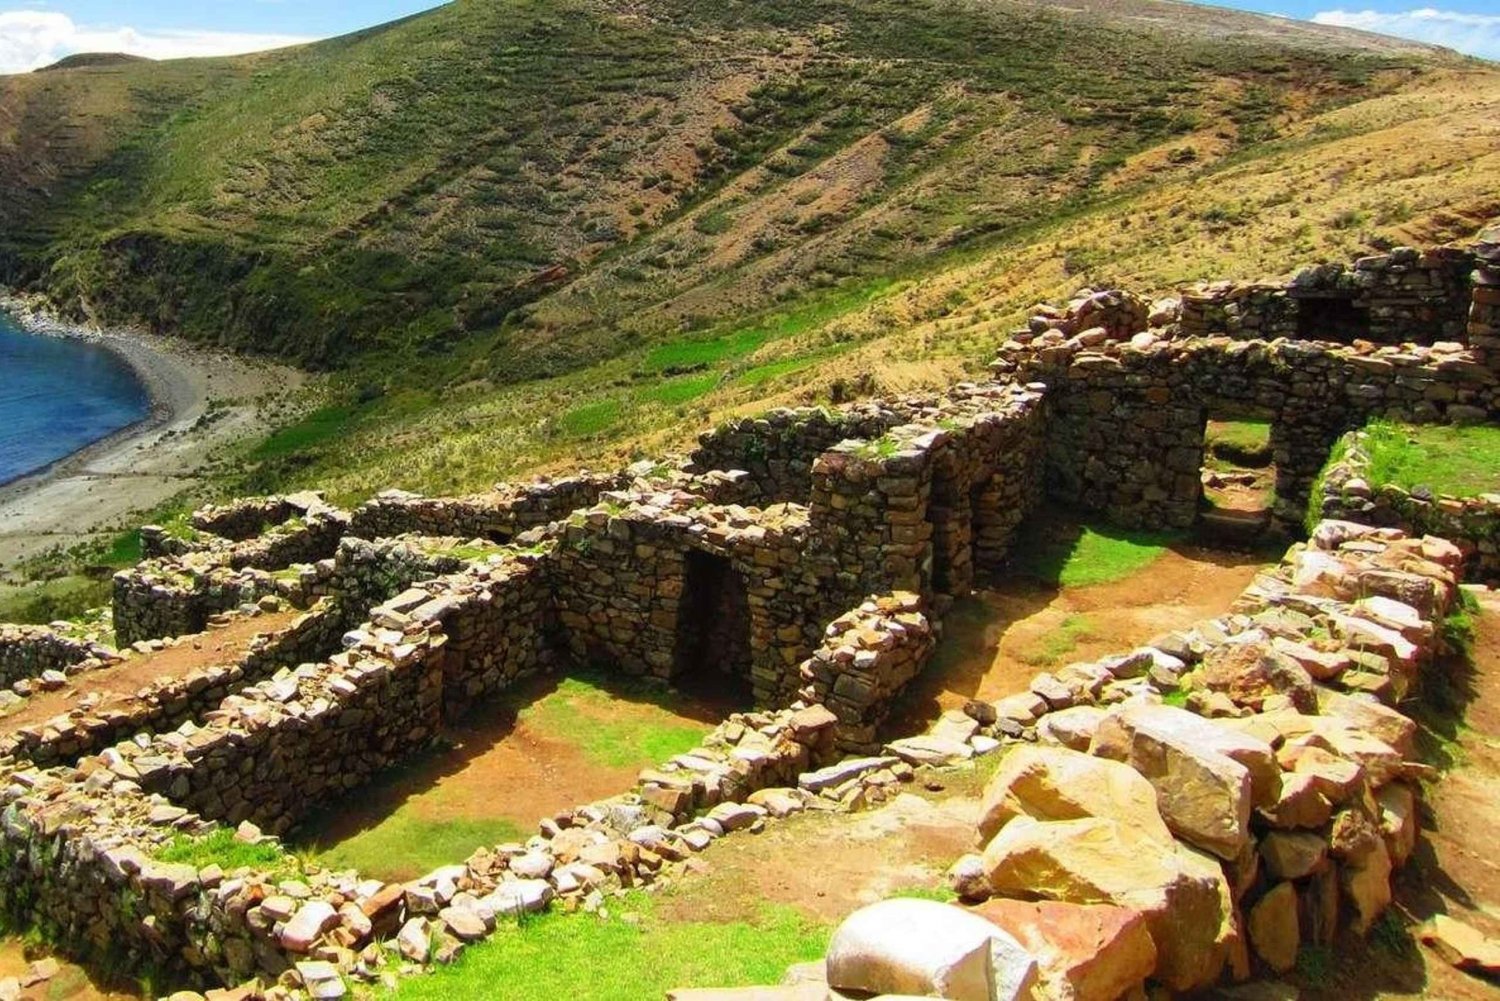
(582, 174)
(557, 228)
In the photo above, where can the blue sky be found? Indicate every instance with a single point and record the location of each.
(36, 32)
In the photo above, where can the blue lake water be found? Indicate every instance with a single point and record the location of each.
(58, 395)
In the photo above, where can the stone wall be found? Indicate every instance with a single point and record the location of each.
(497, 516)
(1271, 811)
(1471, 523)
(919, 508)
(169, 703)
(1484, 309)
(176, 596)
(496, 619)
(1405, 296)
(621, 580)
(1127, 435)
(28, 651)
(778, 448)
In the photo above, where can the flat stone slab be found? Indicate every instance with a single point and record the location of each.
(837, 775)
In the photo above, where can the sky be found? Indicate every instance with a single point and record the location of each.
(34, 33)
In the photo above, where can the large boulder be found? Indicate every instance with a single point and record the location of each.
(1207, 777)
(1087, 952)
(928, 949)
(1054, 783)
(1182, 893)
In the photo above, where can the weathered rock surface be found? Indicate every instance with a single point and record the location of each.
(1183, 895)
(928, 949)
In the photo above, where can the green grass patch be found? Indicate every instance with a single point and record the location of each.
(685, 355)
(609, 959)
(1448, 460)
(590, 419)
(403, 845)
(1079, 556)
(220, 848)
(1244, 444)
(586, 710)
(675, 392)
(1060, 642)
(320, 426)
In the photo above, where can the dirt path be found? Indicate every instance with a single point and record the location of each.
(826, 865)
(998, 640)
(119, 684)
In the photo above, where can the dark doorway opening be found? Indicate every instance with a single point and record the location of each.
(713, 654)
(1332, 318)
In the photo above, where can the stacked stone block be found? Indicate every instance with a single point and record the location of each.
(1127, 433)
(778, 448)
(171, 702)
(29, 651)
(620, 575)
(868, 657)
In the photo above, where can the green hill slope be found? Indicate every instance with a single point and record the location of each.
(519, 188)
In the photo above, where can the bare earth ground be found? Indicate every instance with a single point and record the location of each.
(120, 683)
(71, 983)
(998, 640)
(513, 761)
(204, 401)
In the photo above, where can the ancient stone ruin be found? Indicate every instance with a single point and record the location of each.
(806, 559)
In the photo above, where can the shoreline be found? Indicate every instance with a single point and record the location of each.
(167, 394)
(201, 401)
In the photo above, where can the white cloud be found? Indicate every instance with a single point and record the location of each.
(31, 38)
(1476, 34)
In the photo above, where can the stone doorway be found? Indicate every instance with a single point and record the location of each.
(713, 653)
(1238, 477)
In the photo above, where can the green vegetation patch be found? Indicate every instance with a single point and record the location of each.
(1448, 460)
(404, 846)
(611, 959)
(220, 848)
(686, 355)
(590, 419)
(316, 428)
(1084, 555)
(1240, 443)
(675, 392)
(588, 712)
(1060, 642)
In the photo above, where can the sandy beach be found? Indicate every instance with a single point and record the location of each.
(203, 402)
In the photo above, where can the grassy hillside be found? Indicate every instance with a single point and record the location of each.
(564, 178)
(534, 232)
